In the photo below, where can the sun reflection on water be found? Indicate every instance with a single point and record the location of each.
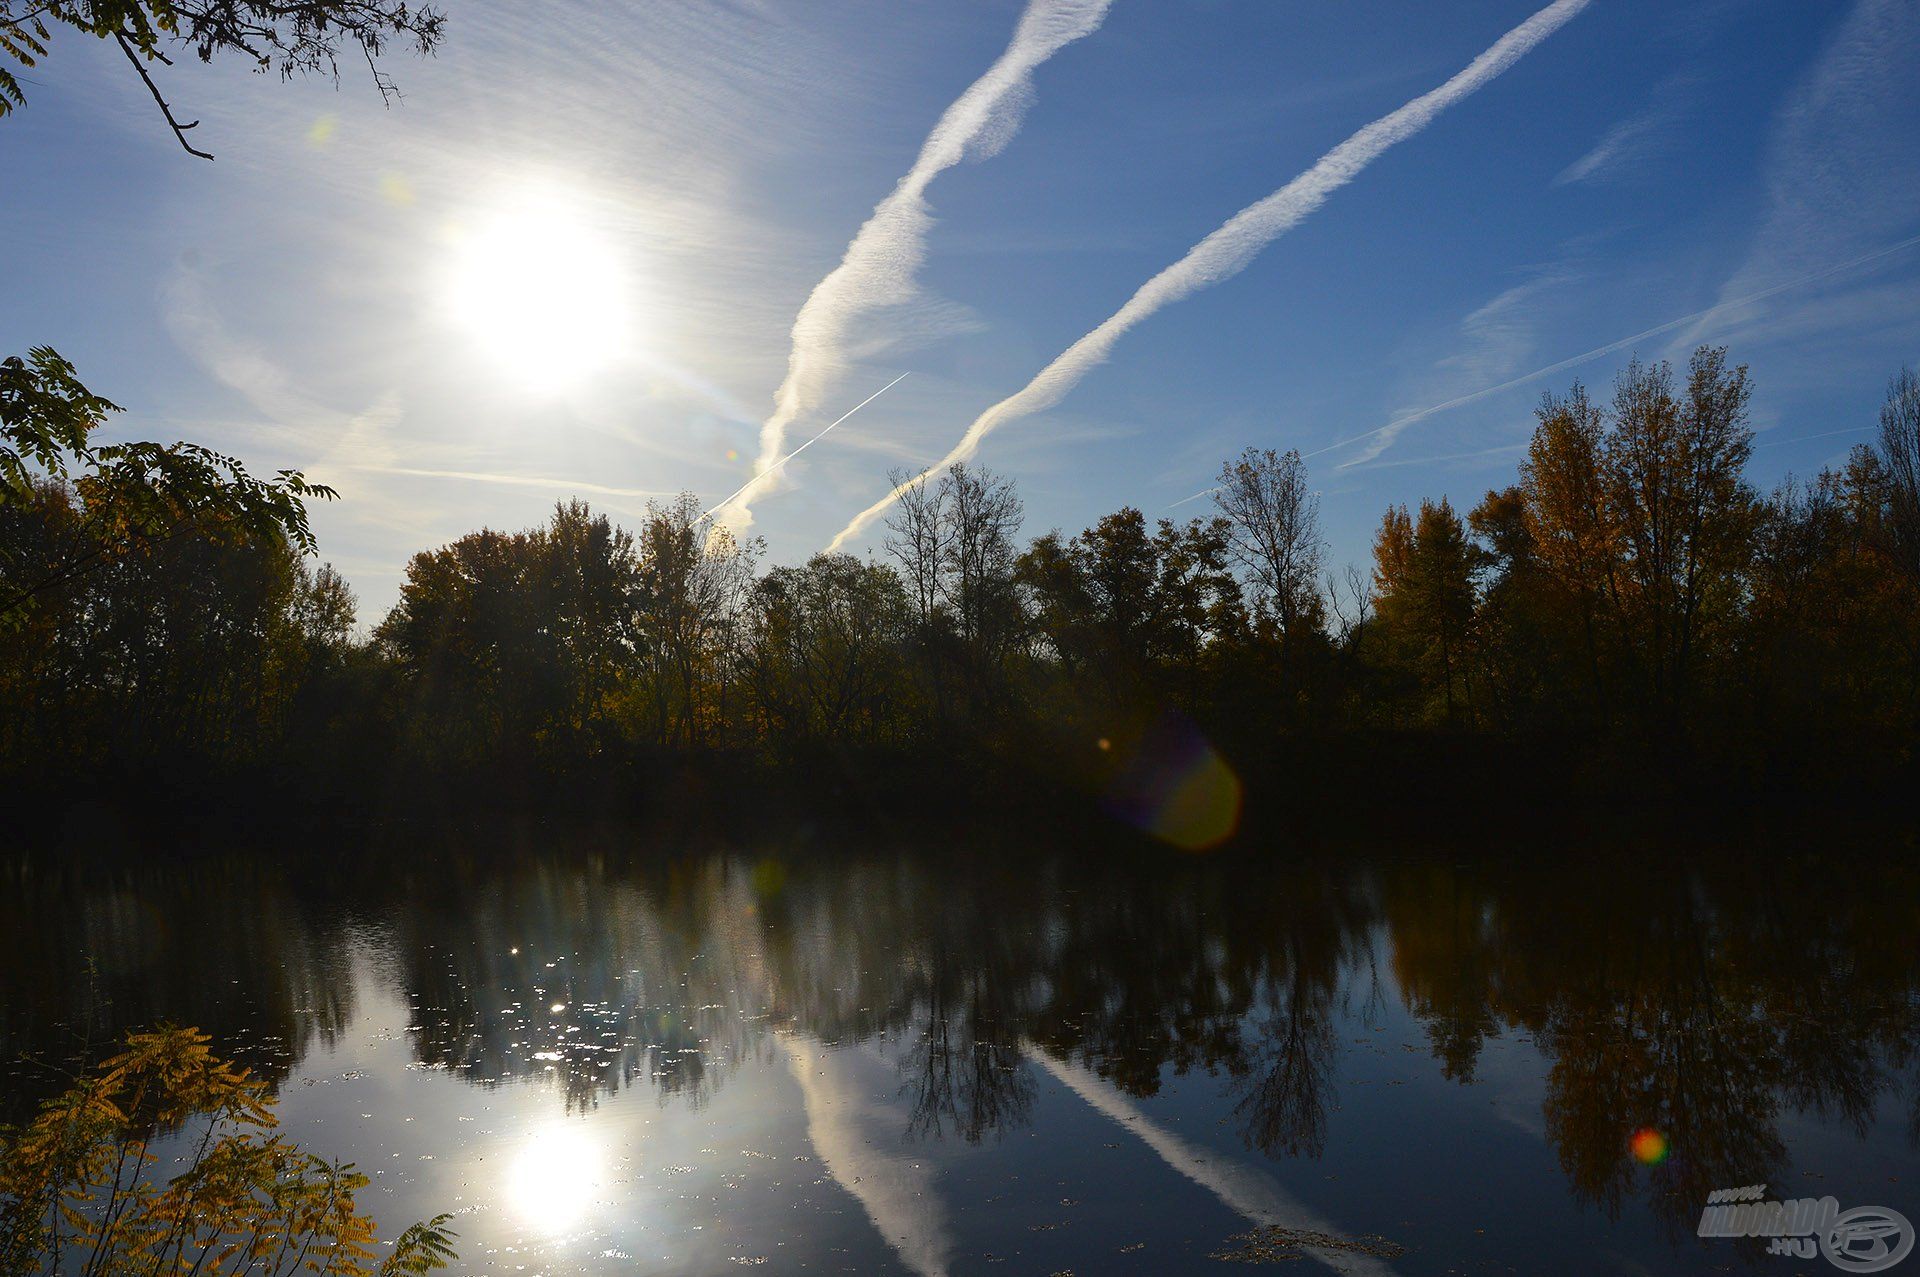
(554, 1175)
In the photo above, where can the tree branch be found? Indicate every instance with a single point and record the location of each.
(179, 129)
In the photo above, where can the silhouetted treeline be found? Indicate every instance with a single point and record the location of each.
(1630, 600)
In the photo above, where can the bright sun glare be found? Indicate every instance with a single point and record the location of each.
(552, 1179)
(542, 291)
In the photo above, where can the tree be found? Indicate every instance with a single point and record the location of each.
(1135, 605)
(76, 1186)
(1273, 531)
(983, 515)
(827, 642)
(1515, 648)
(953, 540)
(1392, 552)
(1439, 591)
(1900, 454)
(133, 496)
(693, 591)
(1569, 523)
(917, 541)
(291, 38)
(1684, 513)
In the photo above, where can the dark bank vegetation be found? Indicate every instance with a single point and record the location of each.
(1630, 617)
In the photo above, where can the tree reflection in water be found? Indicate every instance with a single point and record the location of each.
(1704, 995)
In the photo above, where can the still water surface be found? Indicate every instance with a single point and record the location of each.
(796, 1054)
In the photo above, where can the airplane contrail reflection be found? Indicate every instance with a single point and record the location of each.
(1244, 1189)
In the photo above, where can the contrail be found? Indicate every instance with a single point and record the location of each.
(1246, 1190)
(775, 467)
(879, 265)
(515, 480)
(851, 1131)
(1227, 251)
(1394, 427)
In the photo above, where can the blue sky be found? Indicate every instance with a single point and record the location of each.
(338, 290)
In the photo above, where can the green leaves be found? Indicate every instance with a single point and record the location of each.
(45, 417)
(133, 495)
(422, 1248)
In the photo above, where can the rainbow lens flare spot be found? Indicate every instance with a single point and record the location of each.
(1649, 1146)
(1174, 785)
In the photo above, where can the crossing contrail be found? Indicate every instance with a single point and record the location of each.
(1384, 436)
(878, 267)
(1394, 427)
(775, 467)
(1227, 251)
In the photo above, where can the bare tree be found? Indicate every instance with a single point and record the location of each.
(917, 540)
(1275, 532)
(1351, 598)
(1900, 450)
(982, 514)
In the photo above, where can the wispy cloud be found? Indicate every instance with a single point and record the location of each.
(516, 481)
(880, 263)
(1619, 142)
(1630, 141)
(1227, 250)
(1495, 341)
(1841, 169)
(1393, 428)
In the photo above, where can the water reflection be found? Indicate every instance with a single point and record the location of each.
(555, 1175)
(930, 999)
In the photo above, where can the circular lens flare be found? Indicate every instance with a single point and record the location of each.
(1649, 1146)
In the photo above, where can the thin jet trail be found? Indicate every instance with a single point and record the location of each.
(797, 451)
(1393, 428)
(1574, 361)
(880, 262)
(1228, 250)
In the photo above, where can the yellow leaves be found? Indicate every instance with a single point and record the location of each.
(247, 1200)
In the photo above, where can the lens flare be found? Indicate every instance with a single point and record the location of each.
(1649, 1146)
(1175, 785)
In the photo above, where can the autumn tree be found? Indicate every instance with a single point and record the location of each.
(1570, 529)
(694, 583)
(1673, 466)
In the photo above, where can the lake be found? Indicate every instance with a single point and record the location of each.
(623, 1052)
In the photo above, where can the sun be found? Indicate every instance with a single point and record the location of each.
(542, 291)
